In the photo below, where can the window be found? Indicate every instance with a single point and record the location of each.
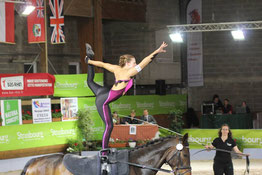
(30, 67)
(74, 68)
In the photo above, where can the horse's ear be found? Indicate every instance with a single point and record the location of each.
(185, 137)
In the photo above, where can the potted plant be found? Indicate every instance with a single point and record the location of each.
(75, 146)
(117, 143)
(131, 143)
(240, 145)
(27, 117)
(177, 122)
(142, 142)
(84, 126)
(56, 115)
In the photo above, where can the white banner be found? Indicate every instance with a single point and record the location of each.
(41, 110)
(69, 108)
(194, 46)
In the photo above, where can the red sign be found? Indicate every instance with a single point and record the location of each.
(35, 84)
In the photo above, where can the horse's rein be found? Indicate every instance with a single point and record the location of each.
(178, 151)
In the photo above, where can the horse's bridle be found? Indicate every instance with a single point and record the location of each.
(179, 148)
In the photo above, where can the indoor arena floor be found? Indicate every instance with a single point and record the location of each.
(204, 167)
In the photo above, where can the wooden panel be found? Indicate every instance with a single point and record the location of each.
(32, 151)
(90, 31)
(124, 10)
(85, 27)
(98, 48)
(83, 8)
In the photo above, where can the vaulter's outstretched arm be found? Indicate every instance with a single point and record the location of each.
(107, 66)
(147, 60)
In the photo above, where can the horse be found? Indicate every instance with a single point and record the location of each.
(153, 154)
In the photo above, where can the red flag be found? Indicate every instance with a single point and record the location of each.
(36, 23)
(7, 24)
(57, 21)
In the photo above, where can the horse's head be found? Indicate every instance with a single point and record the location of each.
(178, 157)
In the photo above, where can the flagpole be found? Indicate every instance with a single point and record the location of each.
(44, 51)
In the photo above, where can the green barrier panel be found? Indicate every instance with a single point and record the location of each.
(36, 135)
(55, 133)
(74, 85)
(250, 138)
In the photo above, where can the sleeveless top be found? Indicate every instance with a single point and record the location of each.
(128, 86)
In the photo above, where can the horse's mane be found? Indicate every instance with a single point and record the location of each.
(153, 142)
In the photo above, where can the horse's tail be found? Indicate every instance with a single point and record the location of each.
(27, 165)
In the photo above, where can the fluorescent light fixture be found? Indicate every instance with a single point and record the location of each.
(28, 9)
(176, 37)
(238, 35)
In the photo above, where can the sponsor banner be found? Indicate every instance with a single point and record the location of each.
(54, 133)
(41, 110)
(251, 138)
(194, 46)
(75, 85)
(154, 103)
(30, 136)
(32, 84)
(69, 108)
(11, 112)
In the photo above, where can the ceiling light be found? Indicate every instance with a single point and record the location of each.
(28, 9)
(238, 35)
(176, 37)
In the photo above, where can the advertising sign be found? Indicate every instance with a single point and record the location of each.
(30, 136)
(31, 84)
(75, 85)
(41, 110)
(11, 112)
(249, 137)
(69, 108)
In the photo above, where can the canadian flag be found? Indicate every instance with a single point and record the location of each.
(7, 24)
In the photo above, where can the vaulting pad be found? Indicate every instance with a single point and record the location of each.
(79, 165)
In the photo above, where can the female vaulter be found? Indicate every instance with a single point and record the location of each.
(123, 72)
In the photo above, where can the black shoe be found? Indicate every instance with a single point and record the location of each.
(89, 53)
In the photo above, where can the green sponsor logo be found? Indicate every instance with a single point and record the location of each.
(121, 106)
(145, 105)
(63, 132)
(29, 136)
(4, 139)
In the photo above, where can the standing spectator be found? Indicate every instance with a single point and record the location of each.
(244, 105)
(148, 118)
(131, 119)
(227, 108)
(191, 118)
(217, 103)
